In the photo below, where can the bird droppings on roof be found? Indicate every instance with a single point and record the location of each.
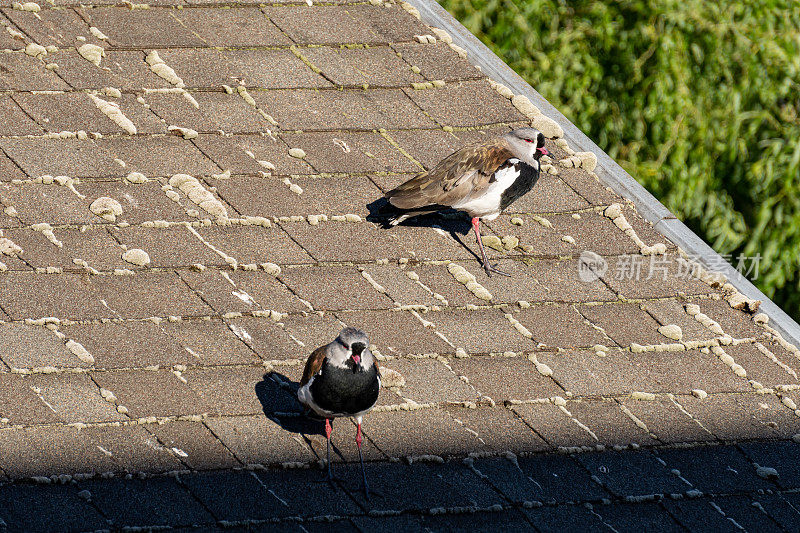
(728, 360)
(64, 181)
(392, 378)
(741, 302)
(136, 177)
(525, 332)
(198, 194)
(293, 186)
(97, 33)
(521, 102)
(35, 50)
(463, 276)
(186, 133)
(671, 331)
(108, 395)
(31, 7)
(106, 208)
(162, 70)
(242, 90)
(136, 256)
(80, 352)
(297, 153)
(503, 90)
(7, 247)
(15, 33)
(492, 241)
(173, 90)
(510, 242)
(349, 217)
(410, 9)
(788, 402)
(421, 86)
(113, 112)
(542, 368)
(614, 212)
(542, 221)
(643, 396)
(92, 53)
(224, 176)
(772, 357)
(113, 92)
(47, 230)
(766, 472)
(588, 160)
(314, 220)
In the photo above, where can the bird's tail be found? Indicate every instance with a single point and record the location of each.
(392, 215)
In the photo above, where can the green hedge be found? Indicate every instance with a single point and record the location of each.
(698, 101)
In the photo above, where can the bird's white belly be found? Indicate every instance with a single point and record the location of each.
(487, 205)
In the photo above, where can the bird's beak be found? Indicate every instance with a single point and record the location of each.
(542, 150)
(357, 348)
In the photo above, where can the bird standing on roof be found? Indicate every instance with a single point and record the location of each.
(480, 179)
(341, 379)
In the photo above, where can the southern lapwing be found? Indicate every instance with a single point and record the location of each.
(480, 179)
(341, 379)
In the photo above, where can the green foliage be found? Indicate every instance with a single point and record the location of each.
(697, 100)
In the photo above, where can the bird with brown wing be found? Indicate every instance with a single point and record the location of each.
(480, 179)
(341, 379)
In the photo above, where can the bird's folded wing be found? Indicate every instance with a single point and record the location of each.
(463, 174)
(313, 364)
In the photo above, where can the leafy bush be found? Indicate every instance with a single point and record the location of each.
(697, 100)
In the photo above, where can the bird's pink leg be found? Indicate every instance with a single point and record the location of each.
(328, 431)
(361, 458)
(476, 225)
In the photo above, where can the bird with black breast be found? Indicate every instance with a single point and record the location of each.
(480, 179)
(341, 379)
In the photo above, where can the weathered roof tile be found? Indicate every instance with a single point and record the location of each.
(349, 152)
(145, 28)
(16, 122)
(437, 61)
(348, 109)
(376, 66)
(465, 103)
(21, 72)
(243, 26)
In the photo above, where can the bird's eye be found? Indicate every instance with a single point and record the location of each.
(528, 141)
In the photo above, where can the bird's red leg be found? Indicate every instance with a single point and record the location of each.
(489, 268)
(361, 458)
(328, 431)
(476, 225)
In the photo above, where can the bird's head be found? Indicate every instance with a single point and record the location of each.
(527, 145)
(352, 349)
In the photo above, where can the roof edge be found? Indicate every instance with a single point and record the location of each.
(611, 173)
